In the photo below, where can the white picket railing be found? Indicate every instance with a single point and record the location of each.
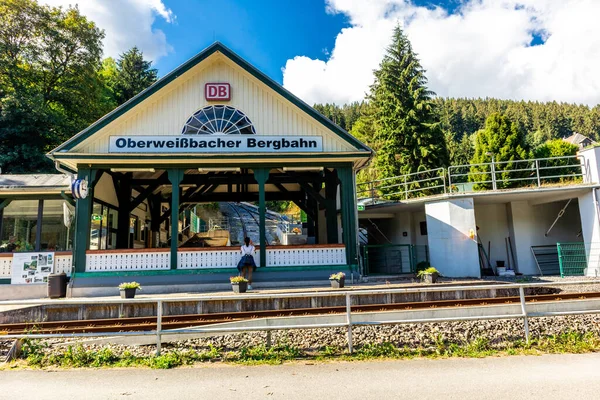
(160, 259)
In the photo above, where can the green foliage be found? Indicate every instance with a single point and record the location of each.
(337, 277)
(345, 116)
(502, 140)
(237, 279)
(130, 285)
(427, 271)
(49, 82)
(555, 148)
(134, 74)
(406, 127)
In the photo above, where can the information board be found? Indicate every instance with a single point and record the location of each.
(31, 268)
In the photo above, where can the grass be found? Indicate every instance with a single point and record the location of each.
(37, 355)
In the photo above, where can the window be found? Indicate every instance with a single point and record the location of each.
(218, 120)
(58, 226)
(19, 226)
(103, 234)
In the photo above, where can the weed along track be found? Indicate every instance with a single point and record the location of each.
(134, 324)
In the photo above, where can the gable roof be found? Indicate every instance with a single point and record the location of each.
(204, 54)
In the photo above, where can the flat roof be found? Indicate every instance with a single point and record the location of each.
(33, 183)
(533, 195)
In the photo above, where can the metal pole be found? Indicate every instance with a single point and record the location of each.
(494, 186)
(269, 340)
(444, 180)
(159, 312)
(405, 189)
(372, 191)
(349, 321)
(449, 180)
(524, 311)
(537, 172)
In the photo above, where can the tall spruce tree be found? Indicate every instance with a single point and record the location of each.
(134, 75)
(502, 140)
(407, 130)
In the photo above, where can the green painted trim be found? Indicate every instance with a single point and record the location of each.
(261, 175)
(83, 212)
(4, 281)
(177, 72)
(67, 198)
(210, 271)
(175, 177)
(5, 204)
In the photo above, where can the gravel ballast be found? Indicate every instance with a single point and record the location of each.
(499, 333)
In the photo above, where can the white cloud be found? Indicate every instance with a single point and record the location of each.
(126, 23)
(481, 50)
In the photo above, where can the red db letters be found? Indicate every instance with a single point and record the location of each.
(217, 91)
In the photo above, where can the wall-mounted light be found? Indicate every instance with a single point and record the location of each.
(220, 169)
(297, 169)
(132, 170)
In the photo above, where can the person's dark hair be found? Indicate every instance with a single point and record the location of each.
(247, 241)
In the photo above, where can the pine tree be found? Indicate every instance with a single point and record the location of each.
(502, 140)
(407, 131)
(134, 75)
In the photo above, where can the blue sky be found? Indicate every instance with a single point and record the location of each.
(266, 33)
(326, 50)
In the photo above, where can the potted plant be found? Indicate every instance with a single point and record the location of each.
(128, 289)
(239, 284)
(429, 275)
(337, 280)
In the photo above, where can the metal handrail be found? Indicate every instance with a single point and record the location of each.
(159, 332)
(372, 190)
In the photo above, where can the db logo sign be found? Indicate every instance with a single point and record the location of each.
(217, 91)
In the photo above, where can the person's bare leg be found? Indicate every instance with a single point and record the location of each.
(250, 275)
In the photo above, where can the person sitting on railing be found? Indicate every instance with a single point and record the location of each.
(247, 265)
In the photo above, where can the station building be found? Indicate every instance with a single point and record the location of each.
(217, 130)
(214, 130)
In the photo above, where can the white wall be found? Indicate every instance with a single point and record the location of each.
(591, 159)
(590, 228)
(451, 250)
(528, 225)
(105, 190)
(493, 229)
(417, 218)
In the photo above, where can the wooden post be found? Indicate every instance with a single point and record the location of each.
(83, 214)
(175, 177)
(261, 175)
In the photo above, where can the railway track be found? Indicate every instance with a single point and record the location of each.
(182, 321)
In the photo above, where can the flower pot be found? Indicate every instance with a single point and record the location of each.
(337, 283)
(240, 287)
(430, 278)
(127, 293)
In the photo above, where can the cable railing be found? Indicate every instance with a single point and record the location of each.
(495, 175)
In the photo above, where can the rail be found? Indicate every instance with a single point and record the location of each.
(495, 175)
(348, 324)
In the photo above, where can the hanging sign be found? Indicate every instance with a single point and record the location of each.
(31, 268)
(79, 188)
(215, 144)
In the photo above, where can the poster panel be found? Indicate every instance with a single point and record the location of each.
(32, 268)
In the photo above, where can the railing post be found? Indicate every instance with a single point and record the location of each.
(269, 340)
(524, 312)
(449, 180)
(372, 191)
(405, 189)
(349, 321)
(444, 180)
(159, 311)
(537, 172)
(494, 186)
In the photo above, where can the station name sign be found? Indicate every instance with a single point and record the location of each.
(215, 144)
